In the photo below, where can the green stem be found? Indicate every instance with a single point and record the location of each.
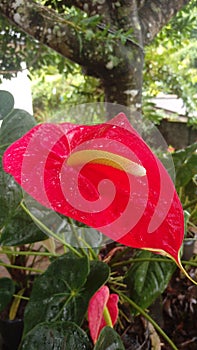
(134, 260)
(27, 253)
(190, 204)
(20, 297)
(81, 240)
(10, 266)
(107, 317)
(49, 232)
(149, 318)
(193, 213)
(94, 255)
(75, 234)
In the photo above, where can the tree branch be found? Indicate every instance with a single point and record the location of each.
(54, 31)
(155, 14)
(125, 16)
(116, 60)
(88, 6)
(68, 38)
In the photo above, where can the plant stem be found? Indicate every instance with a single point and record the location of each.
(26, 268)
(75, 234)
(20, 297)
(134, 260)
(107, 317)
(49, 232)
(187, 205)
(149, 318)
(94, 255)
(27, 253)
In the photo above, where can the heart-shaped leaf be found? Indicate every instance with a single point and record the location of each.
(15, 125)
(109, 339)
(56, 336)
(64, 290)
(6, 103)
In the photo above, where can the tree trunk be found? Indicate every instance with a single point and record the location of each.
(126, 88)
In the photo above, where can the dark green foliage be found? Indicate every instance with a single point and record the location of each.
(146, 280)
(185, 161)
(63, 292)
(16, 226)
(7, 289)
(7, 103)
(56, 336)
(109, 339)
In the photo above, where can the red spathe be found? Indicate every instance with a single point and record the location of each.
(138, 211)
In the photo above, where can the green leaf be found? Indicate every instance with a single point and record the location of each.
(7, 289)
(63, 291)
(187, 170)
(146, 280)
(19, 229)
(10, 197)
(180, 156)
(16, 226)
(109, 339)
(55, 290)
(185, 161)
(15, 125)
(186, 221)
(56, 336)
(6, 103)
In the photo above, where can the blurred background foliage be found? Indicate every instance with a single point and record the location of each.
(170, 66)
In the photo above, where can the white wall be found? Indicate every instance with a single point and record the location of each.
(20, 88)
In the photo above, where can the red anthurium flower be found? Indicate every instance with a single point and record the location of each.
(102, 311)
(104, 176)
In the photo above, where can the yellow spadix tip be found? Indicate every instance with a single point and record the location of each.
(106, 158)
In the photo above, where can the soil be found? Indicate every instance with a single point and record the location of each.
(180, 312)
(176, 313)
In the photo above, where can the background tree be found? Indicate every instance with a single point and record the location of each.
(106, 38)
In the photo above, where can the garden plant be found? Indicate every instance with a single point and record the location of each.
(94, 211)
(90, 293)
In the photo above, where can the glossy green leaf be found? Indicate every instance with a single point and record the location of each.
(187, 171)
(7, 289)
(15, 125)
(182, 155)
(109, 339)
(6, 103)
(146, 280)
(10, 197)
(98, 275)
(19, 229)
(64, 290)
(185, 161)
(56, 336)
(16, 226)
